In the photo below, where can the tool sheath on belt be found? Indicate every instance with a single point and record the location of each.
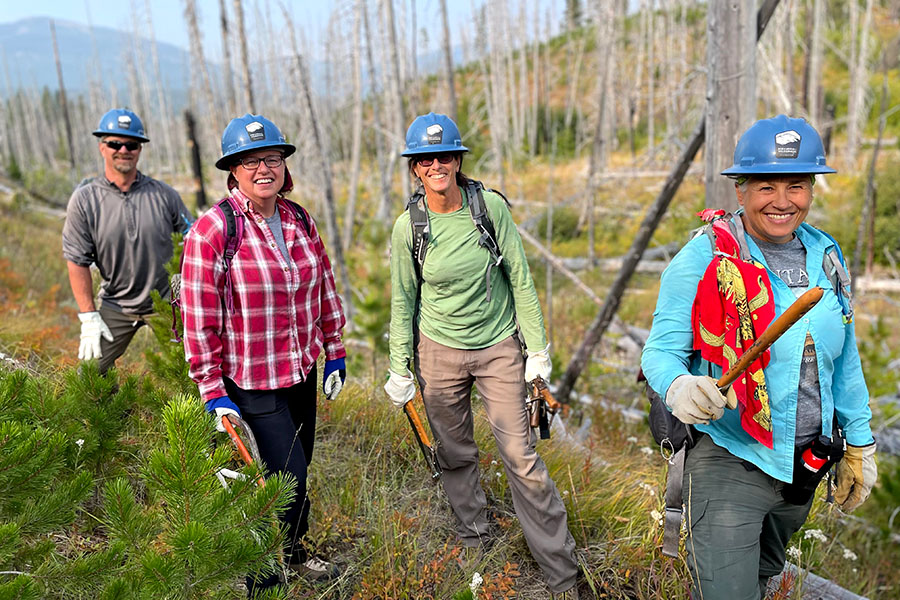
(541, 406)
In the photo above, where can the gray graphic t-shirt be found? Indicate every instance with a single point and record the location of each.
(788, 261)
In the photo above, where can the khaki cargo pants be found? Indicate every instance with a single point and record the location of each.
(445, 377)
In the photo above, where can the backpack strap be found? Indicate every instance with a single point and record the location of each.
(234, 232)
(300, 213)
(833, 265)
(674, 503)
(418, 221)
(484, 226)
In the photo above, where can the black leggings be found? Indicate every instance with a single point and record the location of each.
(284, 424)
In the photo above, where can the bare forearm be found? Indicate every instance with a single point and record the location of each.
(82, 286)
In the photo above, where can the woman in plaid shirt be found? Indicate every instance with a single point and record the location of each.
(254, 328)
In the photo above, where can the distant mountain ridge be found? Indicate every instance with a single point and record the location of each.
(27, 48)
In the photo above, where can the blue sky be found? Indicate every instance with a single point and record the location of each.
(168, 22)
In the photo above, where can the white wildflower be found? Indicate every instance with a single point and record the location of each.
(631, 439)
(647, 451)
(656, 516)
(494, 462)
(850, 554)
(647, 487)
(565, 492)
(499, 474)
(476, 583)
(815, 534)
(794, 552)
(79, 443)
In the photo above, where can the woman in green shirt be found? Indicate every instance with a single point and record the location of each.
(456, 303)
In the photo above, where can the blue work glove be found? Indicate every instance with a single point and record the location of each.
(222, 406)
(333, 380)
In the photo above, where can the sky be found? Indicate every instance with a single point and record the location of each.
(169, 26)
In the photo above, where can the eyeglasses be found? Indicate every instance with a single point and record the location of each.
(251, 162)
(130, 146)
(427, 161)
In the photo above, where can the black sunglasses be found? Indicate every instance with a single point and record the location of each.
(444, 159)
(130, 146)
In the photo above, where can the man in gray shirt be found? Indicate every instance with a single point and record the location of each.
(121, 221)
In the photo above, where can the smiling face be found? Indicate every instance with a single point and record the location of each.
(262, 183)
(438, 178)
(775, 206)
(122, 159)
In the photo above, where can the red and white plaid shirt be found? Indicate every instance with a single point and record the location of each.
(285, 312)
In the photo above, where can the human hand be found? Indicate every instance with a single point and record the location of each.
(222, 406)
(538, 364)
(696, 399)
(333, 381)
(92, 327)
(400, 388)
(856, 474)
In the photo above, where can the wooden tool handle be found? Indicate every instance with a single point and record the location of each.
(413, 415)
(540, 386)
(794, 313)
(239, 444)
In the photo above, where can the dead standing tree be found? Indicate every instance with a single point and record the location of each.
(641, 241)
(246, 81)
(356, 134)
(321, 154)
(64, 105)
(227, 76)
(200, 74)
(730, 91)
(448, 61)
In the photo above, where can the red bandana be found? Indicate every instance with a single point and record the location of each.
(733, 306)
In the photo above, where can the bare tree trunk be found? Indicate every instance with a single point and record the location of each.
(196, 162)
(384, 211)
(324, 167)
(227, 75)
(867, 218)
(198, 65)
(730, 91)
(161, 103)
(789, 53)
(64, 105)
(246, 81)
(448, 61)
(651, 221)
(859, 74)
(814, 110)
(395, 102)
(651, 79)
(355, 150)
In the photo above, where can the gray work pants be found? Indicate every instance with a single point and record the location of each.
(740, 525)
(445, 377)
(123, 327)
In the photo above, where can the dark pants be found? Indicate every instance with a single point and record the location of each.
(123, 327)
(284, 425)
(740, 525)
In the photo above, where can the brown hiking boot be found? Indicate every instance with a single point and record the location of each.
(569, 594)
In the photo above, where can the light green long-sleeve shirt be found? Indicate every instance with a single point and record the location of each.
(453, 309)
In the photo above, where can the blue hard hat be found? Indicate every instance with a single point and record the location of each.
(779, 145)
(433, 134)
(249, 133)
(121, 121)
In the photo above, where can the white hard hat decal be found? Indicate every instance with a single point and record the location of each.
(124, 122)
(256, 131)
(787, 144)
(435, 134)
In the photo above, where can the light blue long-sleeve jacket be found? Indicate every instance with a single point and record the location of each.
(668, 353)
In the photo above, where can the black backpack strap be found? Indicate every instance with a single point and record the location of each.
(234, 233)
(300, 213)
(484, 226)
(418, 221)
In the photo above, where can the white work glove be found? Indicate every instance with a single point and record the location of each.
(222, 406)
(538, 364)
(695, 399)
(856, 474)
(335, 373)
(400, 388)
(92, 327)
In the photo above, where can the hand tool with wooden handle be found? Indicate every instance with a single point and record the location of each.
(229, 422)
(428, 449)
(794, 313)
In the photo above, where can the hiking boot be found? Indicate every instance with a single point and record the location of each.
(569, 594)
(316, 569)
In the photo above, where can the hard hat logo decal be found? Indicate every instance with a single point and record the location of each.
(787, 144)
(256, 131)
(124, 122)
(435, 134)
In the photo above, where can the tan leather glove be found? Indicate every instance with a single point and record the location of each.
(856, 474)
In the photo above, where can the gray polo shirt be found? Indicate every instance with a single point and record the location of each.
(127, 235)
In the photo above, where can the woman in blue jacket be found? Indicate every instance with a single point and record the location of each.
(745, 486)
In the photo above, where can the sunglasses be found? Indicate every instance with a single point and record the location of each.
(427, 161)
(130, 146)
